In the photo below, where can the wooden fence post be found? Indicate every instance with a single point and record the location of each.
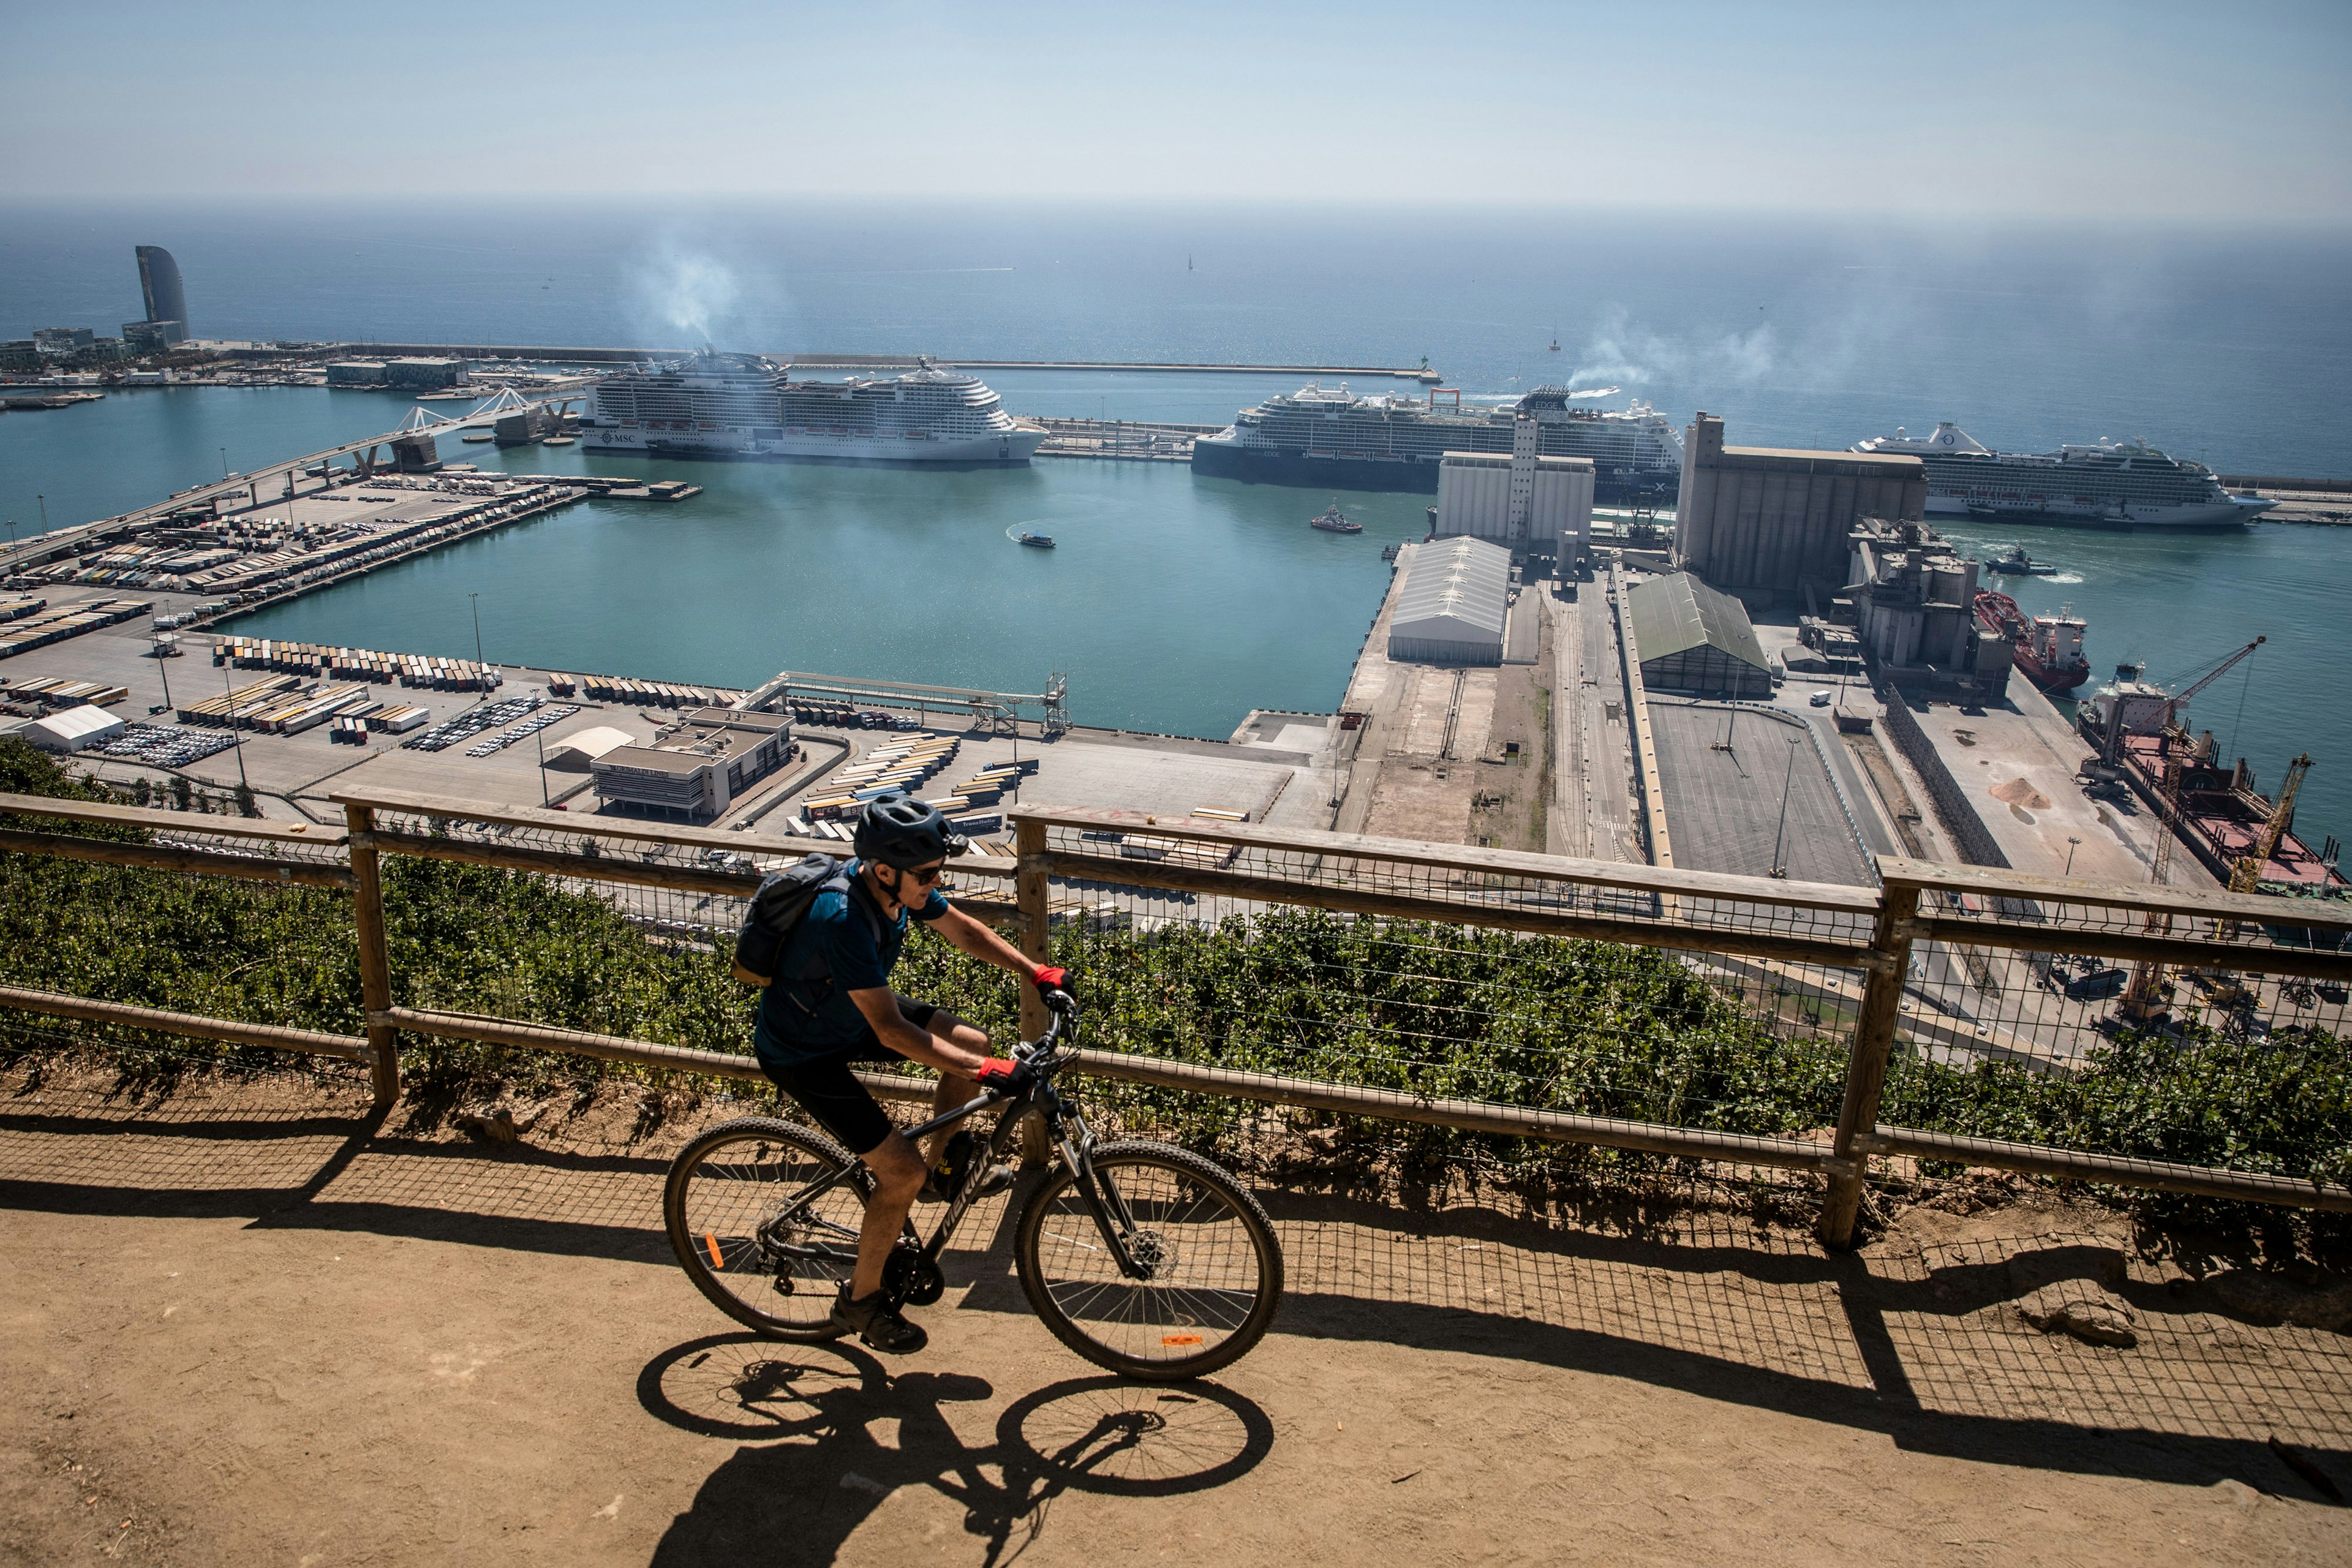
(1029, 891)
(375, 960)
(1874, 1042)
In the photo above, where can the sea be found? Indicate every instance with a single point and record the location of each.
(1174, 604)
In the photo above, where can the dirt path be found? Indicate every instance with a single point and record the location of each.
(239, 1330)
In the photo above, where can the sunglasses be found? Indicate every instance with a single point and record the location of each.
(925, 875)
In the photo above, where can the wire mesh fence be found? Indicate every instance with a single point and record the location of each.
(1356, 1014)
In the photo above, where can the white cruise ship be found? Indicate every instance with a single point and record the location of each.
(716, 405)
(2115, 484)
(1321, 438)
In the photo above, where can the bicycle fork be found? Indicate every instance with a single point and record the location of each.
(1101, 1197)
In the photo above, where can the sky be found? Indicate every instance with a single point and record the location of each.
(2226, 113)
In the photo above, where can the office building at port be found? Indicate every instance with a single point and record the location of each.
(693, 773)
(1766, 522)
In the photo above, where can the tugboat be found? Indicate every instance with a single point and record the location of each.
(1038, 541)
(1332, 522)
(2017, 562)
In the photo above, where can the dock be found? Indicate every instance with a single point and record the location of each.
(549, 353)
(1119, 440)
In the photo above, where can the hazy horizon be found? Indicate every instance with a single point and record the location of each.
(1991, 114)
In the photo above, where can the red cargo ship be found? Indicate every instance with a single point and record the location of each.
(2048, 649)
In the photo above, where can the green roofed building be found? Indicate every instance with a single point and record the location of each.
(1691, 638)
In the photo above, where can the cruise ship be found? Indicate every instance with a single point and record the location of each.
(715, 405)
(2115, 484)
(1331, 439)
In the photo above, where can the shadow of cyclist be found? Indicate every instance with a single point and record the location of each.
(812, 1470)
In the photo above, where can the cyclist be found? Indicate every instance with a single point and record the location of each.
(831, 1005)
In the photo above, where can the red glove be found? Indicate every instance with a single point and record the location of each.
(1049, 978)
(1004, 1075)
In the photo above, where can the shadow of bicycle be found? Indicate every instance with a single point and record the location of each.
(813, 1468)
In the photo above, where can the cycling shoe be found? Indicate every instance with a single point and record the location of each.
(873, 1320)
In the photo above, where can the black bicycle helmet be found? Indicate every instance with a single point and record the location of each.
(898, 830)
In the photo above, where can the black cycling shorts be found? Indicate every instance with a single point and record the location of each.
(828, 1091)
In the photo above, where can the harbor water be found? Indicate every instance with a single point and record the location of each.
(1176, 604)
(1173, 604)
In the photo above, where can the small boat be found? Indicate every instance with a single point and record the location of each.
(1038, 541)
(2016, 562)
(1333, 521)
(476, 437)
(557, 440)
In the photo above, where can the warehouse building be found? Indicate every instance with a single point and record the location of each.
(1528, 503)
(576, 753)
(355, 372)
(696, 771)
(1766, 522)
(1691, 638)
(71, 728)
(1451, 609)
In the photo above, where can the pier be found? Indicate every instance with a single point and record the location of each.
(551, 354)
(1119, 440)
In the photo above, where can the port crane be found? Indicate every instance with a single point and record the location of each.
(2113, 742)
(2144, 998)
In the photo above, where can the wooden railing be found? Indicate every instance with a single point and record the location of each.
(1871, 932)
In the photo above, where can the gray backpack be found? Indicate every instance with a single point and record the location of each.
(777, 910)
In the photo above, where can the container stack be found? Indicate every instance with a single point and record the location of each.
(225, 712)
(52, 692)
(39, 629)
(398, 719)
(641, 693)
(904, 764)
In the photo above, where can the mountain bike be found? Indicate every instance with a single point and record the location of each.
(1143, 1258)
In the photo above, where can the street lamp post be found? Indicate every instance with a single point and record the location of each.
(231, 690)
(477, 599)
(1787, 779)
(224, 452)
(2072, 845)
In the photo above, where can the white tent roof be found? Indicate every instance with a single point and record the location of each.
(72, 728)
(576, 751)
(1455, 590)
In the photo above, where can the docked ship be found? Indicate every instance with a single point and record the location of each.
(2114, 484)
(715, 405)
(1332, 440)
(2046, 649)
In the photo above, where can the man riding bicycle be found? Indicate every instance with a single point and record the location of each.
(831, 1005)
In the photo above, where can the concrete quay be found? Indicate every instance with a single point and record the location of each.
(556, 354)
(1282, 772)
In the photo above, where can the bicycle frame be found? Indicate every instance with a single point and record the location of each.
(1102, 1200)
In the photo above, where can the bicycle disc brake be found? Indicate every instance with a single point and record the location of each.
(913, 1278)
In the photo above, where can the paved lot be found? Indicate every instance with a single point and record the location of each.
(1724, 807)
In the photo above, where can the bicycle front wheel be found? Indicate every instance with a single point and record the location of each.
(1215, 1268)
(757, 1229)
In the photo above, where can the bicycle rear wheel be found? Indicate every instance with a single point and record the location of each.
(764, 1253)
(1215, 1267)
